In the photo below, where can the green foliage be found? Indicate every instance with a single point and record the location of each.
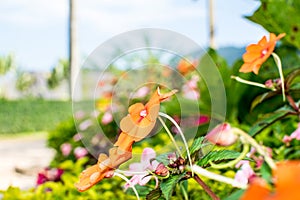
(286, 21)
(32, 115)
(167, 186)
(269, 119)
(59, 73)
(25, 81)
(217, 157)
(197, 145)
(7, 64)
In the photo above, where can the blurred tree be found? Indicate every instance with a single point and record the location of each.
(7, 64)
(59, 73)
(25, 80)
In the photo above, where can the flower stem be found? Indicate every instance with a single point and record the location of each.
(184, 192)
(127, 181)
(170, 135)
(182, 136)
(233, 162)
(251, 83)
(203, 172)
(279, 66)
(206, 188)
(258, 147)
(130, 172)
(292, 102)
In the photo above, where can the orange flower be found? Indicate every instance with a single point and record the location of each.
(135, 126)
(184, 66)
(287, 181)
(257, 54)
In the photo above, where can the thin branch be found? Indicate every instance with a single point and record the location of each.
(206, 188)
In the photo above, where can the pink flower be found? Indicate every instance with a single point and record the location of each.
(77, 137)
(245, 173)
(66, 149)
(80, 152)
(143, 166)
(222, 135)
(259, 160)
(85, 124)
(107, 118)
(190, 89)
(141, 92)
(79, 114)
(48, 174)
(203, 119)
(294, 135)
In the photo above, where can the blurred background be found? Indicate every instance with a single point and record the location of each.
(43, 44)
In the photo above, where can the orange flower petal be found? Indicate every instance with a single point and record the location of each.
(251, 56)
(287, 176)
(263, 41)
(90, 177)
(118, 156)
(136, 132)
(124, 142)
(258, 190)
(246, 67)
(258, 53)
(254, 48)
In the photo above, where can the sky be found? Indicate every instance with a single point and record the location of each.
(36, 31)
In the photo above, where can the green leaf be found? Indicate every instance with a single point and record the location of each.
(162, 158)
(167, 186)
(262, 97)
(154, 194)
(236, 195)
(295, 87)
(266, 172)
(217, 157)
(269, 119)
(268, 16)
(197, 144)
(289, 79)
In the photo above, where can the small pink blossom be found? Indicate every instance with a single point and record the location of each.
(85, 124)
(245, 173)
(141, 92)
(145, 164)
(203, 119)
(95, 113)
(190, 89)
(80, 152)
(294, 135)
(107, 118)
(77, 137)
(48, 174)
(79, 114)
(259, 160)
(66, 149)
(222, 135)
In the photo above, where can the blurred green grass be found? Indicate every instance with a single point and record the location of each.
(32, 115)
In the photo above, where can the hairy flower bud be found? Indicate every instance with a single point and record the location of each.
(162, 170)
